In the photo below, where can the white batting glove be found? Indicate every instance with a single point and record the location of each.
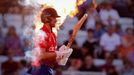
(61, 60)
(64, 60)
(59, 55)
(66, 50)
(62, 48)
(66, 54)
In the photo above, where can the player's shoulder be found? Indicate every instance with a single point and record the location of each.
(41, 33)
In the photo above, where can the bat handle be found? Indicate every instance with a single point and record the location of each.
(70, 42)
(76, 29)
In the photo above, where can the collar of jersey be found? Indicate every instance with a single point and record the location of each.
(44, 28)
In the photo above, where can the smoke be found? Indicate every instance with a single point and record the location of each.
(30, 20)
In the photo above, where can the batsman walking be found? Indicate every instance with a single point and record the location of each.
(45, 43)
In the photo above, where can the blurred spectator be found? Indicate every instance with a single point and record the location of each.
(91, 42)
(23, 67)
(74, 44)
(16, 10)
(98, 31)
(119, 2)
(88, 65)
(28, 16)
(13, 17)
(127, 43)
(118, 30)
(109, 68)
(121, 5)
(27, 45)
(108, 15)
(92, 17)
(69, 23)
(58, 70)
(84, 51)
(1, 19)
(76, 51)
(127, 69)
(12, 42)
(27, 38)
(101, 6)
(1, 41)
(10, 67)
(130, 4)
(130, 57)
(75, 65)
(110, 41)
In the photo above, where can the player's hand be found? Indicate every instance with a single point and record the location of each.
(64, 53)
(59, 55)
(61, 58)
(66, 50)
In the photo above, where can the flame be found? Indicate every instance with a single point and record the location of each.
(63, 8)
(80, 2)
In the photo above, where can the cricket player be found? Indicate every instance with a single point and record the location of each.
(46, 54)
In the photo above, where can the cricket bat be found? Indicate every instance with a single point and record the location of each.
(76, 29)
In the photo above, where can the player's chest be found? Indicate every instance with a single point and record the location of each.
(51, 39)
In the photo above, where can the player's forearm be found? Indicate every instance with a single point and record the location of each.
(48, 56)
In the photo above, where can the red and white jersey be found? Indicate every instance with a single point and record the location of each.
(48, 40)
(44, 40)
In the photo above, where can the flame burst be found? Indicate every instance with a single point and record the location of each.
(63, 8)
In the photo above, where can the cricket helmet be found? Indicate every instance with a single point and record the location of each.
(48, 12)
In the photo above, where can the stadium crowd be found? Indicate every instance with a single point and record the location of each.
(107, 45)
